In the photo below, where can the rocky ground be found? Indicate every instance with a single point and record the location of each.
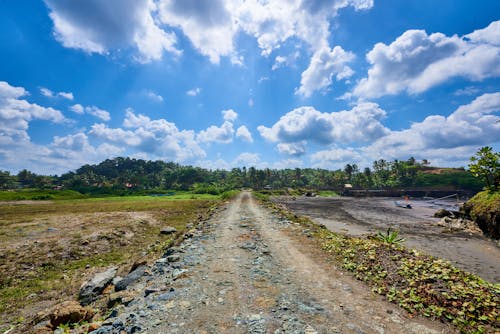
(248, 271)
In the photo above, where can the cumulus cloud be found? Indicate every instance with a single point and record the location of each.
(360, 124)
(158, 138)
(247, 159)
(325, 65)
(229, 115)
(281, 61)
(91, 110)
(48, 93)
(207, 23)
(100, 26)
(77, 108)
(336, 157)
(293, 149)
(244, 134)
(223, 134)
(416, 61)
(16, 113)
(440, 138)
(194, 91)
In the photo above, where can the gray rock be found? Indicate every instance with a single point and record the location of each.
(173, 258)
(104, 330)
(168, 230)
(178, 272)
(130, 278)
(90, 290)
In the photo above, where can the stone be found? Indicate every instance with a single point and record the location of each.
(173, 258)
(130, 278)
(69, 312)
(443, 213)
(90, 290)
(168, 230)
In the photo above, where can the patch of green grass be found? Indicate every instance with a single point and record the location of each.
(327, 193)
(38, 194)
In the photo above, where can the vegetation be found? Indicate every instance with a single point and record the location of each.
(484, 209)
(486, 166)
(47, 249)
(126, 176)
(419, 283)
(390, 237)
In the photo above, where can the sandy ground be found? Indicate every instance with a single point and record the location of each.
(362, 216)
(247, 271)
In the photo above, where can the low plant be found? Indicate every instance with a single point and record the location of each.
(390, 237)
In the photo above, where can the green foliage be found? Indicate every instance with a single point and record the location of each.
(229, 194)
(419, 283)
(390, 237)
(484, 209)
(485, 165)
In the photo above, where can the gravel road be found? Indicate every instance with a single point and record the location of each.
(248, 271)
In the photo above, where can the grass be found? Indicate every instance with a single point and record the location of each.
(37, 194)
(327, 193)
(419, 283)
(484, 208)
(48, 249)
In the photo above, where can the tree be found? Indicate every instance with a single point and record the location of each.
(485, 165)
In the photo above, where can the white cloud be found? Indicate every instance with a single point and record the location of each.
(91, 110)
(97, 27)
(229, 115)
(158, 138)
(48, 93)
(207, 23)
(244, 134)
(77, 108)
(16, 114)
(335, 158)
(470, 90)
(325, 64)
(293, 149)
(247, 159)
(438, 138)
(281, 61)
(223, 134)
(154, 97)
(99, 113)
(212, 25)
(360, 124)
(194, 91)
(416, 61)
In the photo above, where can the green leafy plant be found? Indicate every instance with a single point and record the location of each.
(390, 237)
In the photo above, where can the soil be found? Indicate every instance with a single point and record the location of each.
(248, 271)
(468, 250)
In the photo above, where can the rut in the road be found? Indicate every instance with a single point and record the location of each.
(240, 273)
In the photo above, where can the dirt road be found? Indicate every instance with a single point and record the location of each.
(247, 271)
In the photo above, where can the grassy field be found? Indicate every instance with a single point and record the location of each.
(48, 248)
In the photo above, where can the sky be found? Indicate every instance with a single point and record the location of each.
(233, 83)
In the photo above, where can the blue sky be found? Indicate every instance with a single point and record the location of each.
(232, 83)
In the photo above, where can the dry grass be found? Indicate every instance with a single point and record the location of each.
(48, 249)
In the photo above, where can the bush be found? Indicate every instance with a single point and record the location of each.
(484, 209)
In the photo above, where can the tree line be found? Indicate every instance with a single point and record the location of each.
(128, 175)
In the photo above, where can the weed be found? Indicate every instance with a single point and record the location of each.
(390, 237)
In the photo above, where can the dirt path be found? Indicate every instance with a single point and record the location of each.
(244, 272)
